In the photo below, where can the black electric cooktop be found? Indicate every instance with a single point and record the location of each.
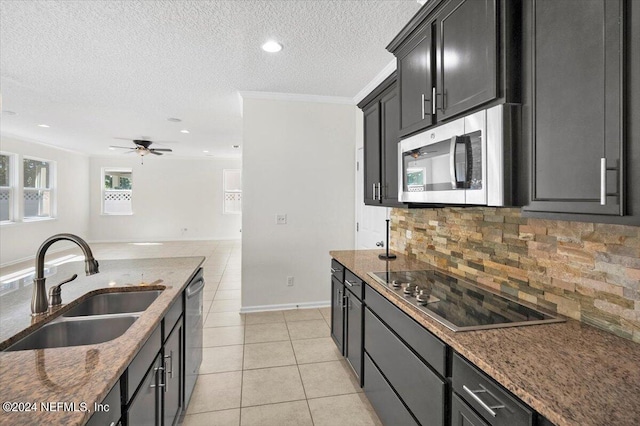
(459, 304)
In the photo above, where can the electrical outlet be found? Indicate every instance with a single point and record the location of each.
(281, 219)
(289, 281)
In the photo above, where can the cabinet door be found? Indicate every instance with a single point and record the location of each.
(354, 333)
(372, 153)
(461, 415)
(145, 408)
(390, 117)
(466, 43)
(173, 374)
(337, 312)
(576, 55)
(415, 79)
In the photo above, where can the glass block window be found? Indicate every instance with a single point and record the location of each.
(6, 187)
(117, 191)
(38, 188)
(232, 181)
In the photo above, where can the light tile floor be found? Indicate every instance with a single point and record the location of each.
(270, 368)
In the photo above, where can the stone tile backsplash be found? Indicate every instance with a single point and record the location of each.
(586, 271)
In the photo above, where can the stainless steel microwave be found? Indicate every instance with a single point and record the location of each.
(465, 161)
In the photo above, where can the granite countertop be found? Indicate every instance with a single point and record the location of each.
(571, 373)
(80, 374)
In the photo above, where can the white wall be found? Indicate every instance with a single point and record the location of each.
(21, 240)
(298, 160)
(169, 194)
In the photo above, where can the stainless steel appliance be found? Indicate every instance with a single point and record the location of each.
(193, 334)
(459, 304)
(465, 161)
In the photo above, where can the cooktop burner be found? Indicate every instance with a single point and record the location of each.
(459, 304)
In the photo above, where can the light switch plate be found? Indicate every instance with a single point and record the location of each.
(281, 219)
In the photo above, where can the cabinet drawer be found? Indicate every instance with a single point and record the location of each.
(354, 284)
(337, 270)
(482, 393)
(421, 389)
(140, 364)
(462, 415)
(383, 399)
(112, 409)
(172, 316)
(428, 346)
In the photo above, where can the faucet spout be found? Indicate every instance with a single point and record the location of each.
(39, 303)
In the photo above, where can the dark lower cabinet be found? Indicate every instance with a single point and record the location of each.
(462, 415)
(385, 401)
(145, 408)
(337, 313)
(110, 409)
(353, 338)
(173, 360)
(576, 54)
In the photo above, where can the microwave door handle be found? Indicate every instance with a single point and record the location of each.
(452, 162)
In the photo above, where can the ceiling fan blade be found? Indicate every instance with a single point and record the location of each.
(162, 149)
(121, 147)
(154, 152)
(123, 139)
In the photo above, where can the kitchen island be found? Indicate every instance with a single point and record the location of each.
(63, 385)
(571, 373)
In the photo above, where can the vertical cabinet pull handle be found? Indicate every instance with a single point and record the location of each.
(433, 100)
(603, 181)
(379, 191)
(159, 385)
(422, 103)
(373, 194)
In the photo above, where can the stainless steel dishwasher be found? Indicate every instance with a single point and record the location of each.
(193, 333)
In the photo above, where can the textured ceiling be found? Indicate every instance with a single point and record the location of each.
(95, 70)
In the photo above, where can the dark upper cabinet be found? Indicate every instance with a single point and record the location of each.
(455, 56)
(381, 112)
(466, 46)
(372, 157)
(576, 89)
(416, 83)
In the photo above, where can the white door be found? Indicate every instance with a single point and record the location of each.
(370, 221)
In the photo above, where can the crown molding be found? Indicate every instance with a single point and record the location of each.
(382, 75)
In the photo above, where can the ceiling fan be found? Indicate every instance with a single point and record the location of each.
(142, 148)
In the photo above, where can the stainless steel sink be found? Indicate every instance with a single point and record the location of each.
(63, 333)
(115, 303)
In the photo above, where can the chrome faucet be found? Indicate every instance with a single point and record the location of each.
(39, 303)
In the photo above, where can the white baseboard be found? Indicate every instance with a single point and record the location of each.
(284, 307)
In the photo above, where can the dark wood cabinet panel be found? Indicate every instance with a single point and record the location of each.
(337, 313)
(415, 76)
(462, 415)
(390, 118)
(576, 58)
(173, 360)
(353, 350)
(381, 112)
(466, 55)
(372, 162)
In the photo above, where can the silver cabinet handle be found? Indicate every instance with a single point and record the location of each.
(352, 284)
(333, 271)
(433, 100)
(603, 181)
(490, 408)
(155, 371)
(339, 296)
(379, 191)
(374, 191)
(170, 357)
(422, 106)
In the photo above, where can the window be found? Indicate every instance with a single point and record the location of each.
(6, 187)
(232, 182)
(38, 188)
(117, 188)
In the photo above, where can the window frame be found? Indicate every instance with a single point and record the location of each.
(226, 191)
(53, 173)
(103, 172)
(12, 189)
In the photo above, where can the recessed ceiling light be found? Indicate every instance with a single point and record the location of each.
(184, 131)
(236, 146)
(174, 120)
(46, 126)
(272, 46)
(205, 151)
(112, 148)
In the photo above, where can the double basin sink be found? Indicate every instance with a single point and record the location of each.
(97, 319)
